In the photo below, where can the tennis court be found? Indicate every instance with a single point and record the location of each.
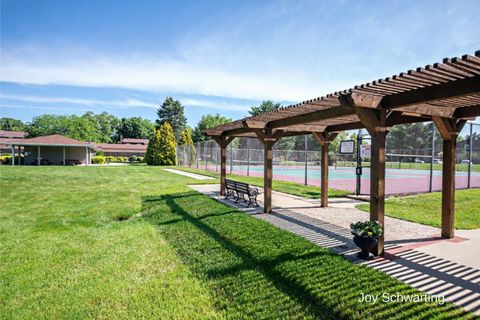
(407, 170)
(398, 181)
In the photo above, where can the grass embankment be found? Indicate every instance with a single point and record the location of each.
(298, 189)
(72, 247)
(427, 208)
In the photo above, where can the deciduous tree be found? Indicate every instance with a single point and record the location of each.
(206, 122)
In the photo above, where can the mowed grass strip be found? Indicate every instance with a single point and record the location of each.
(312, 192)
(427, 208)
(259, 271)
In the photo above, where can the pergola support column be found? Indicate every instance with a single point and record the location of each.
(268, 175)
(324, 138)
(13, 155)
(38, 156)
(223, 142)
(371, 114)
(449, 129)
(448, 188)
(377, 186)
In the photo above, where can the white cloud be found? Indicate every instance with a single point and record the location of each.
(79, 101)
(23, 106)
(152, 73)
(211, 104)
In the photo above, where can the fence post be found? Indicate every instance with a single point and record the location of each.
(358, 187)
(433, 157)
(231, 159)
(197, 153)
(216, 159)
(248, 157)
(470, 151)
(205, 151)
(306, 165)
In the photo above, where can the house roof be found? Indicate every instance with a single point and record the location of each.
(52, 140)
(450, 89)
(12, 134)
(116, 147)
(133, 140)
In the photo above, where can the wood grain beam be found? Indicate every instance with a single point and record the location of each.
(366, 100)
(254, 124)
(306, 118)
(467, 112)
(432, 93)
(445, 127)
(322, 137)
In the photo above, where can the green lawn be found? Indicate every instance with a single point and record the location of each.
(298, 189)
(427, 208)
(74, 247)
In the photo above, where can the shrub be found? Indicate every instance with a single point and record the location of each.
(100, 153)
(98, 160)
(6, 159)
(161, 148)
(366, 229)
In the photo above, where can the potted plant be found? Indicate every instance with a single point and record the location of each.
(366, 236)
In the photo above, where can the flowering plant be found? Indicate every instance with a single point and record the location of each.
(367, 229)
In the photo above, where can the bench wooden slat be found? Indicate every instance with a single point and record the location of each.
(241, 189)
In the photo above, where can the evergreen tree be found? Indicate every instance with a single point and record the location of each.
(161, 148)
(172, 112)
(152, 147)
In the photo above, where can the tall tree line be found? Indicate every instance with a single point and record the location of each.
(102, 127)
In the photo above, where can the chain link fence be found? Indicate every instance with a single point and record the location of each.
(409, 170)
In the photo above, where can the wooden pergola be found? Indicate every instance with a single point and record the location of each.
(446, 93)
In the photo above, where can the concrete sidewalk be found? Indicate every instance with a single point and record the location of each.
(189, 174)
(414, 253)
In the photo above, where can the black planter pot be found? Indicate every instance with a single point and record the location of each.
(366, 244)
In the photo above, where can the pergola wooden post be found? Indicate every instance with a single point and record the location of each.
(374, 118)
(449, 129)
(324, 138)
(223, 142)
(377, 186)
(268, 138)
(267, 174)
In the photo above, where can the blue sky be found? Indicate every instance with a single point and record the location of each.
(125, 57)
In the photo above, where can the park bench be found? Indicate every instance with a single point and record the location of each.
(239, 190)
(43, 162)
(72, 162)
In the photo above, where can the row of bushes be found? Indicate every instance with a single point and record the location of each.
(99, 159)
(7, 159)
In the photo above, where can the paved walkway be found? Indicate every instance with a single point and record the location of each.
(414, 253)
(189, 174)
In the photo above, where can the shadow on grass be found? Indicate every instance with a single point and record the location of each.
(258, 271)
